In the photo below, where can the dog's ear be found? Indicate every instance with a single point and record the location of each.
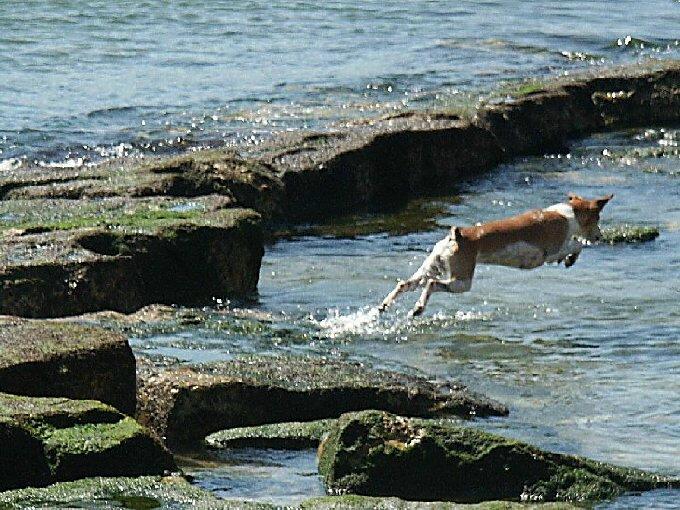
(601, 202)
(457, 236)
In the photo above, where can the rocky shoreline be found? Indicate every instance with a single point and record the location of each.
(190, 230)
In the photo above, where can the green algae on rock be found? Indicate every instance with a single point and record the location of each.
(147, 492)
(61, 439)
(353, 502)
(61, 359)
(629, 234)
(548, 116)
(243, 183)
(182, 261)
(377, 454)
(186, 404)
(282, 436)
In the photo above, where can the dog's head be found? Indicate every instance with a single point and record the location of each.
(587, 214)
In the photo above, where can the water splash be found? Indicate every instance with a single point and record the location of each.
(367, 321)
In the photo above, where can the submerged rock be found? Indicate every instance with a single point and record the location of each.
(281, 436)
(60, 359)
(378, 454)
(186, 404)
(70, 272)
(147, 492)
(45, 440)
(629, 234)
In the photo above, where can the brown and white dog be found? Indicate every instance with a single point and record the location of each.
(525, 241)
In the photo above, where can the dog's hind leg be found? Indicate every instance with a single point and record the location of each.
(431, 267)
(453, 285)
(402, 286)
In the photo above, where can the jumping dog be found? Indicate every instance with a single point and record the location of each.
(526, 241)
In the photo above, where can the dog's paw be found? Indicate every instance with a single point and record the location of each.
(570, 260)
(417, 310)
(382, 307)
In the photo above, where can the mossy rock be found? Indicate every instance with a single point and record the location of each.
(629, 234)
(143, 493)
(63, 359)
(44, 440)
(174, 261)
(186, 404)
(353, 502)
(378, 454)
(283, 436)
(246, 183)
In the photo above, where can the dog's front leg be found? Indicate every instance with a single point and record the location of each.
(575, 250)
(453, 285)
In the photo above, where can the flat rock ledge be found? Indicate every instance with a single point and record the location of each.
(188, 229)
(184, 405)
(41, 358)
(146, 492)
(174, 492)
(74, 271)
(374, 453)
(280, 436)
(353, 502)
(46, 440)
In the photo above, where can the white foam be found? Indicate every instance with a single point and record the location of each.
(363, 321)
(69, 163)
(368, 321)
(7, 165)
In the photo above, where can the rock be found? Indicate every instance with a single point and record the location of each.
(45, 440)
(147, 492)
(186, 404)
(377, 454)
(629, 234)
(280, 436)
(547, 117)
(177, 261)
(379, 168)
(352, 502)
(61, 359)
(244, 183)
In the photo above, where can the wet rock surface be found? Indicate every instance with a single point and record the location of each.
(186, 404)
(546, 116)
(169, 492)
(45, 440)
(69, 272)
(282, 436)
(173, 492)
(60, 359)
(630, 234)
(353, 502)
(378, 454)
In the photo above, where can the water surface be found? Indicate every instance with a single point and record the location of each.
(85, 81)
